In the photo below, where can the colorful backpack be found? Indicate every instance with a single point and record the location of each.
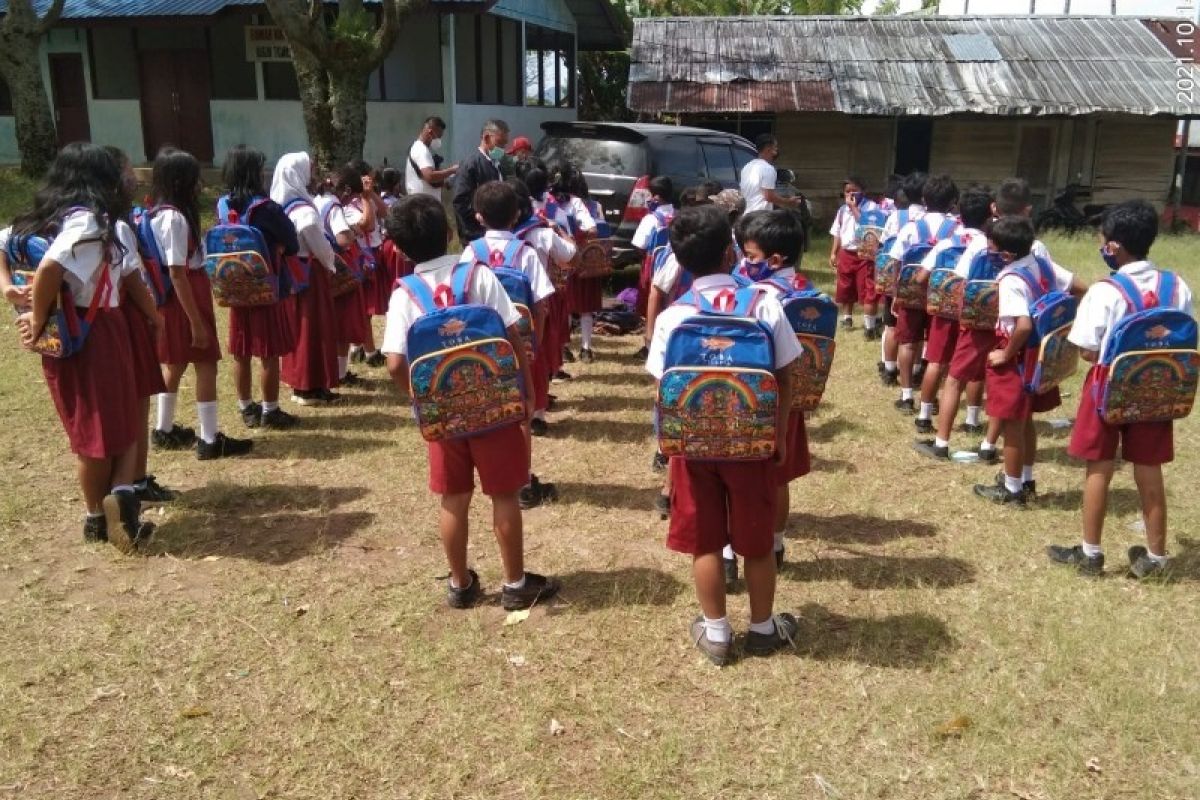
(885, 267)
(869, 233)
(943, 296)
(516, 285)
(349, 272)
(1151, 365)
(297, 272)
(980, 295)
(911, 293)
(718, 399)
(238, 260)
(155, 271)
(603, 229)
(814, 317)
(464, 373)
(1052, 313)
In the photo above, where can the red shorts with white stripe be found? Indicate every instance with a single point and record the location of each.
(1093, 439)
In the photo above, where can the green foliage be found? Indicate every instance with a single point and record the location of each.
(603, 78)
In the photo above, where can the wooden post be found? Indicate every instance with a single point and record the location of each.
(1181, 154)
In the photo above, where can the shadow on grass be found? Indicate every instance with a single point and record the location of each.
(273, 524)
(607, 403)
(884, 572)
(856, 528)
(826, 430)
(586, 430)
(593, 590)
(909, 641)
(1121, 500)
(1185, 561)
(373, 421)
(1057, 455)
(608, 495)
(820, 464)
(1048, 431)
(317, 446)
(615, 379)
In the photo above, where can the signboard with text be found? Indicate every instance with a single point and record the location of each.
(266, 43)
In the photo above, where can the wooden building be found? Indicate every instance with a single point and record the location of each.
(1055, 100)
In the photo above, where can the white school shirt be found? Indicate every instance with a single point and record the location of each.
(550, 247)
(1015, 296)
(584, 221)
(330, 208)
(667, 276)
(767, 310)
(756, 176)
(892, 226)
(973, 240)
(354, 213)
(83, 262)
(560, 215)
(422, 154)
(648, 225)
(313, 244)
(845, 226)
(483, 289)
(1104, 306)
(174, 239)
(910, 235)
(527, 261)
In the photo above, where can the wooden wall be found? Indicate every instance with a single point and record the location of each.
(823, 149)
(1134, 159)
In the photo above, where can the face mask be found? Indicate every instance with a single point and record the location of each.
(1109, 259)
(652, 205)
(496, 153)
(436, 144)
(755, 270)
(996, 260)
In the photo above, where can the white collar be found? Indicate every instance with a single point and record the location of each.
(447, 260)
(1137, 267)
(714, 281)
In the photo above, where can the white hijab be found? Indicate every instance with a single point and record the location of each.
(290, 181)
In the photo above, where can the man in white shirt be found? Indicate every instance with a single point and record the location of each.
(421, 173)
(758, 178)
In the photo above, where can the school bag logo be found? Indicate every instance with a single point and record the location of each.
(718, 398)
(1052, 313)
(910, 292)
(464, 373)
(238, 260)
(869, 233)
(503, 262)
(1150, 365)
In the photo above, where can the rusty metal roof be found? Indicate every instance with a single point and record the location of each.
(903, 65)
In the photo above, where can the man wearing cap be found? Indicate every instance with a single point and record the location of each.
(521, 150)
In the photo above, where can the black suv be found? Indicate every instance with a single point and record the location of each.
(618, 159)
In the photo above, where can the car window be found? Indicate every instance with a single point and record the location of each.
(742, 157)
(719, 160)
(595, 156)
(678, 156)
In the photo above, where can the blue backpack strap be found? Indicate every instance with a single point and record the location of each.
(511, 249)
(222, 209)
(947, 227)
(1129, 290)
(460, 281)
(480, 249)
(1168, 285)
(902, 216)
(1026, 274)
(923, 232)
(419, 291)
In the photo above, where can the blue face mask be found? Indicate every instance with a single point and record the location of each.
(652, 205)
(1109, 259)
(755, 270)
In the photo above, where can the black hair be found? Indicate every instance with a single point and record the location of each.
(536, 181)
(744, 222)
(764, 140)
(700, 237)
(894, 184)
(82, 174)
(417, 224)
(497, 203)
(1012, 234)
(661, 186)
(524, 200)
(361, 167)
(435, 122)
(243, 175)
(123, 160)
(777, 232)
(975, 206)
(176, 183)
(1132, 224)
(1013, 196)
(562, 178)
(940, 193)
(579, 186)
(693, 196)
(389, 180)
(914, 186)
(856, 180)
(349, 179)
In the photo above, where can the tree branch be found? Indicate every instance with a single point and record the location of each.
(53, 14)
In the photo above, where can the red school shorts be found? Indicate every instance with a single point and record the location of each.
(969, 362)
(501, 457)
(715, 503)
(942, 340)
(1093, 439)
(1007, 398)
(910, 324)
(798, 462)
(855, 278)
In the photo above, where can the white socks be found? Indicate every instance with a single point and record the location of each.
(1092, 550)
(973, 413)
(926, 411)
(727, 553)
(539, 415)
(890, 366)
(1160, 560)
(587, 322)
(518, 585)
(869, 321)
(764, 628)
(208, 420)
(718, 631)
(166, 411)
(343, 366)
(269, 407)
(985, 445)
(1013, 485)
(779, 540)
(906, 394)
(244, 404)
(1027, 472)
(847, 317)
(940, 442)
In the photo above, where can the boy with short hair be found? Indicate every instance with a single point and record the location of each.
(1007, 399)
(418, 226)
(715, 503)
(1127, 233)
(855, 275)
(907, 209)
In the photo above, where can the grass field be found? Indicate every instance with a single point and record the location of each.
(286, 635)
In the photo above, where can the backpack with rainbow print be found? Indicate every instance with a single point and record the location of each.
(910, 292)
(1052, 313)
(814, 317)
(979, 297)
(238, 261)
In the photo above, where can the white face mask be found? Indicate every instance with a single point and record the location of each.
(436, 144)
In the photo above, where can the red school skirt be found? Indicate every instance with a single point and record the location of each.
(313, 362)
(379, 287)
(147, 373)
(95, 391)
(352, 319)
(585, 295)
(261, 331)
(175, 344)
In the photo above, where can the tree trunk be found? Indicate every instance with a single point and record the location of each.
(314, 100)
(348, 103)
(36, 137)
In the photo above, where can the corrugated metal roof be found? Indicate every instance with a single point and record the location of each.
(745, 96)
(115, 9)
(908, 65)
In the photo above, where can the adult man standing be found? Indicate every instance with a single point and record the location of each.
(758, 178)
(422, 174)
(480, 167)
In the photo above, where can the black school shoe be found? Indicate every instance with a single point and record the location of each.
(923, 425)
(999, 494)
(95, 529)
(178, 438)
(716, 652)
(1090, 566)
(989, 456)
(779, 558)
(121, 512)
(252, 415)
(279, 420)
(376, 360)
(1143, 567)
(643, 352)
(871, 334)
(919, 372)
(357, 355)
(352, 380)
(662, 504)
(973, 430)
(465, 597)
(766, 644)
(568, 357)
(890, 377)
(539, 427)
(660, 462)
(908, 406)
(1028, 488)
(927, 447)
(848, 324)
(149, 490)
(537, 588)
(222, 447)
(560, 376)
(587, 356)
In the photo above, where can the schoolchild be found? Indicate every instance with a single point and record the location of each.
(350, 308)
(908, 208)
(584, 296)
(365, 213)
(855, 275)
(419, 226)
(652, 232)
(1127, 233)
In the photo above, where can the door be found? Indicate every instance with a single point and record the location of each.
(69, 91)
(718, 158)
(175, 102)
(914, 144)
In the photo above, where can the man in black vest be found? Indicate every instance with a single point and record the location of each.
(480, 167)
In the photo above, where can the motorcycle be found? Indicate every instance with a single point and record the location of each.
(1064, 215)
